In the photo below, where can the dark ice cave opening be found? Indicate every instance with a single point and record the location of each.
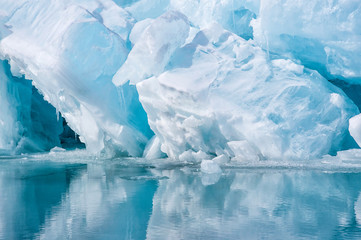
(39, 126)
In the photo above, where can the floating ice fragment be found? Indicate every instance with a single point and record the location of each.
(153, 149)
(221, 159)
(56, 150)
(355, 128)
(208, 166)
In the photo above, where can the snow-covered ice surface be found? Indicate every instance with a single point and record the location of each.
(221, 81)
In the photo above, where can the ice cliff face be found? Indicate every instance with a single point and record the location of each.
(243, 104)
(194, 80)
(71, 55)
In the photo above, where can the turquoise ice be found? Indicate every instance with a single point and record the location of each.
(191, 80)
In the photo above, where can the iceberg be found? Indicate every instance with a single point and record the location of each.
(212, 81)
(231, 98)
(71, 56)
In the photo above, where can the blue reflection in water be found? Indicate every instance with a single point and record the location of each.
(254, 204)
(28, 194)
(113, 200)
(45, 200)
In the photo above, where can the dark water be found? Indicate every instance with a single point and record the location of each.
(117, 200)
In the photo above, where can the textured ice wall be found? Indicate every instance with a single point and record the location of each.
(207, 91)
(233, 15)
(8, 129)
(222, 95)
(71, 56)
(324, 35)
(27, 122)
(305, 37)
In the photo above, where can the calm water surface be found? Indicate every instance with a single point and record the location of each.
(120, 200)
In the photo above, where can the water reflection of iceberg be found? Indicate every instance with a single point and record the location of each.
(104, 204)
(29, 193)
(74, 201)
(54, 200)
(256, 205)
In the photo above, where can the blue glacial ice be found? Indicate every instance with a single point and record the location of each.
(28, 123)
(324, 35)
(192, 80)
(71, 56)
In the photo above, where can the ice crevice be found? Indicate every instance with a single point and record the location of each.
(216, 81)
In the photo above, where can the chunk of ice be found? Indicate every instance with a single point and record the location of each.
(208, 166)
